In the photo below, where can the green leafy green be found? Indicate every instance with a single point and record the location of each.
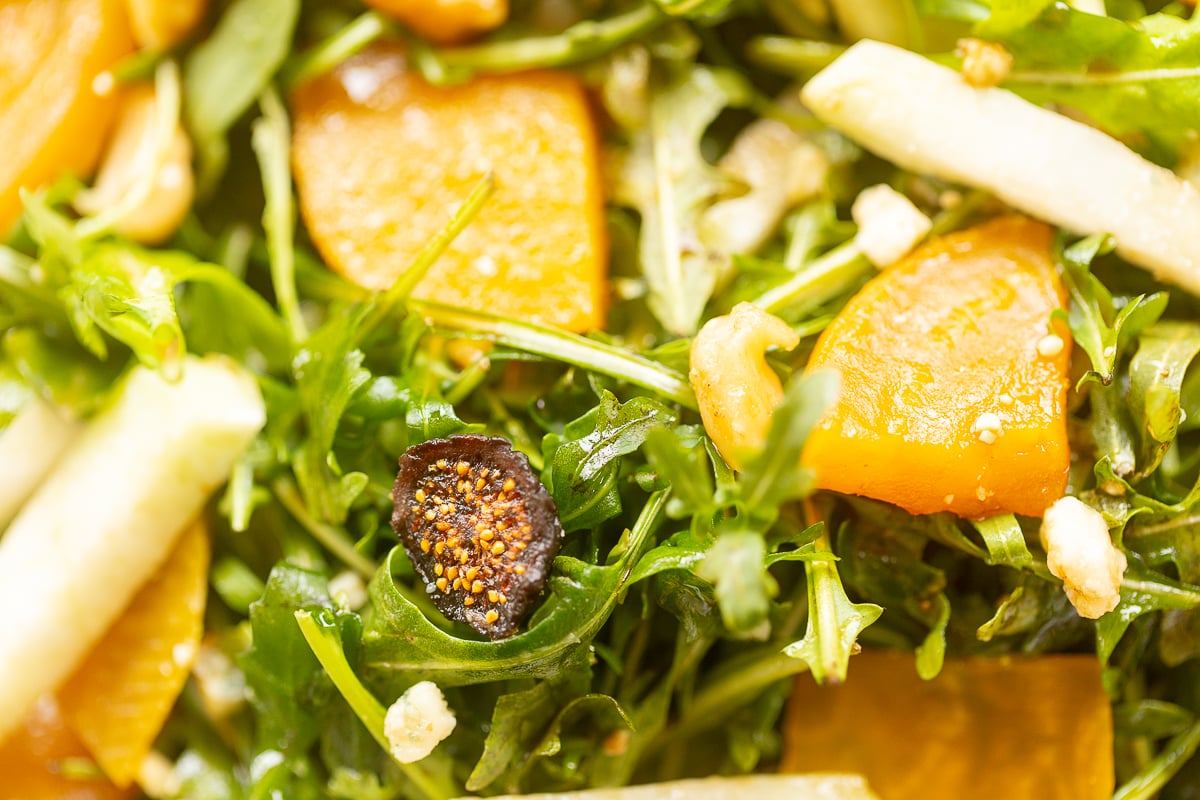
(226, 72)
(665, 177)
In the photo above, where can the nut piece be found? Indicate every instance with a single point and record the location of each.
(889, 225)
(984, 64)
(736, 389)
(479, 527)
(146, 178)
(1080, 552)
(417, 722)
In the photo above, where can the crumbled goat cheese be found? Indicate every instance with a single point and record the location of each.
(417, 721)
(889, 225)
(1080, 552)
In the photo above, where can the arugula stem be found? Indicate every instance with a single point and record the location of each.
(821, 280)
(560, 345)
(1162, 768)
(333, 539)
(385, 303)
(714, 702)
(326, 644)
(332, 51)
(580, 42)
(791, 56)
(271, 139)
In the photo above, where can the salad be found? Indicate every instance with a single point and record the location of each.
(432, 398)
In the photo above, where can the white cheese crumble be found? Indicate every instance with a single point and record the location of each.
(1050, 345)
(987, 427)
(889, 225)
(348, 590)
(1080, 552)
(417, 721)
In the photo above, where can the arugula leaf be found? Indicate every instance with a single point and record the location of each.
(519, 720)
(226, 72)
(402, 644)
(1101, 327)
(736, 566)
(834, 622)
(585, 460)
(774, 476)
(1132, 79)
(288, 686)
(665, 177)
(1155, 379)
(328, 370)
(1005, 541)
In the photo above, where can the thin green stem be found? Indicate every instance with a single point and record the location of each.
(1146, 784)
(580, 42)
(560, 345)
(320, 631)
(271, 139)
(791, 56)
(345, 43)
(820, 281)
(333, 539)
(384, 304)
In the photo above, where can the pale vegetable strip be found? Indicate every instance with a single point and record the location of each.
(29, 446)
(927, 119)
(108, 516)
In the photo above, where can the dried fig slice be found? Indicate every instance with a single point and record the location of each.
(480, 528)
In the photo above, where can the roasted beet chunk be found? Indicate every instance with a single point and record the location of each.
(479, 527)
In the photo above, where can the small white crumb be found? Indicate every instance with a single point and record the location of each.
(1080, 552)
(889, 225)
(417, 722)
(1050, 345)
(951, 198)
(221, 684)
(348, 590)
(1005, 399)
(157, 777)
(982, 494)
(987, 426)
(103, 84)
(983, 63)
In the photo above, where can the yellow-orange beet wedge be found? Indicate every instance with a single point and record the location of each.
(445, 21)
(119, 698)
(382, 159)
(989, 728)
(33, 756)
(53, 119)
(954, 379)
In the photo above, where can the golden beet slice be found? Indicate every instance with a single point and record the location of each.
(122, 693)
(954, 380)
(53, 113)
(32, 758)
(985, 729)
(382, 159)
(446, 20)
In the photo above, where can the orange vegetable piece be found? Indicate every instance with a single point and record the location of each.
(52, 121)
(445, 21)
(954, 381)
(162, 24)
(31, 759)
(985, 728)
(119, 698)
(382, 159)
